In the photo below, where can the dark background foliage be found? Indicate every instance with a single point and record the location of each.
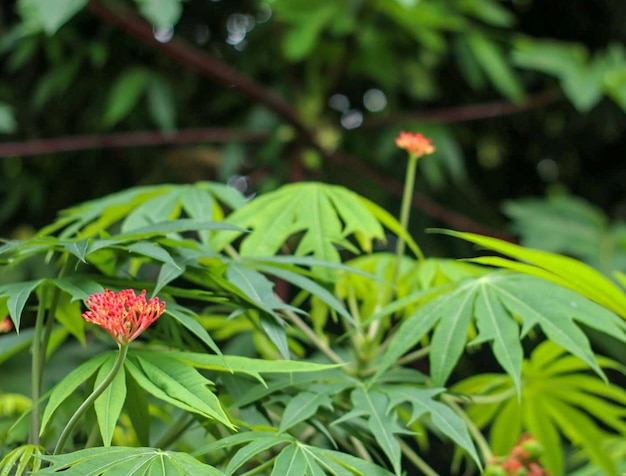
(257, 79)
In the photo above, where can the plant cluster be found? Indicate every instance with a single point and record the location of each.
(282, 338)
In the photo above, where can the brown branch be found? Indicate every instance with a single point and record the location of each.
(129, 139)
(472, 112)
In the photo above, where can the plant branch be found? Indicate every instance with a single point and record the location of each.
(37, 366)
(128, 139)
(414, 458)
(473, 429)
(472, 112)
(319, 343)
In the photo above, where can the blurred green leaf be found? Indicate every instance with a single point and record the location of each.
(161, 103)
(8, 124)
(125, 94)
(493, 63)
(48, 15)
(161, 13)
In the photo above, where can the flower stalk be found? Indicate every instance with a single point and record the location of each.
(125, 316)
(119, 362)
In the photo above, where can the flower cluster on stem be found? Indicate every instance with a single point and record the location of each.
(415, 144)
(124, 315)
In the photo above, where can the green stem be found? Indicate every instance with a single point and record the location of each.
(321, 345)
(480, 440)
(91, 398)
(405, 210)
(37, 367)
(416, 460)
(54, 303)
(174, 431)
(260, 468)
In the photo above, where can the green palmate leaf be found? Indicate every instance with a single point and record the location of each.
(153, 250)
(310, 286)
(556, 399)
(161, 208)
(171, 380)
(168, 273)
(302, 407)
(71, 382)
(108, 405)
(78, 287)
(344, 464)
(496, 302)
(258, 290)
(247, 365)
(94, 217)
(374, 405)
(121, 460)
(163, 228)
(442, 416)
(26, 458)
(188, 319)
(78, 248)
(18, 294)
(290, 461)
(253, 449)
(326, 215)
(562, 270)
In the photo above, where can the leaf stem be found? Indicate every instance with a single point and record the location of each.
(119, 362)
(37, 367)
(415, 459)
(54, 303)
(471, 426)
(319, 343)
(259, 468)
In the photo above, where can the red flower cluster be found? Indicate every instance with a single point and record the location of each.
(415, 144)
(522, 461)
(124, 315)
(6, 325)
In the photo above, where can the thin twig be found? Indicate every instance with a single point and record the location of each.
(471, 112)
(128, 139)
(414, 458)
(471, 426)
